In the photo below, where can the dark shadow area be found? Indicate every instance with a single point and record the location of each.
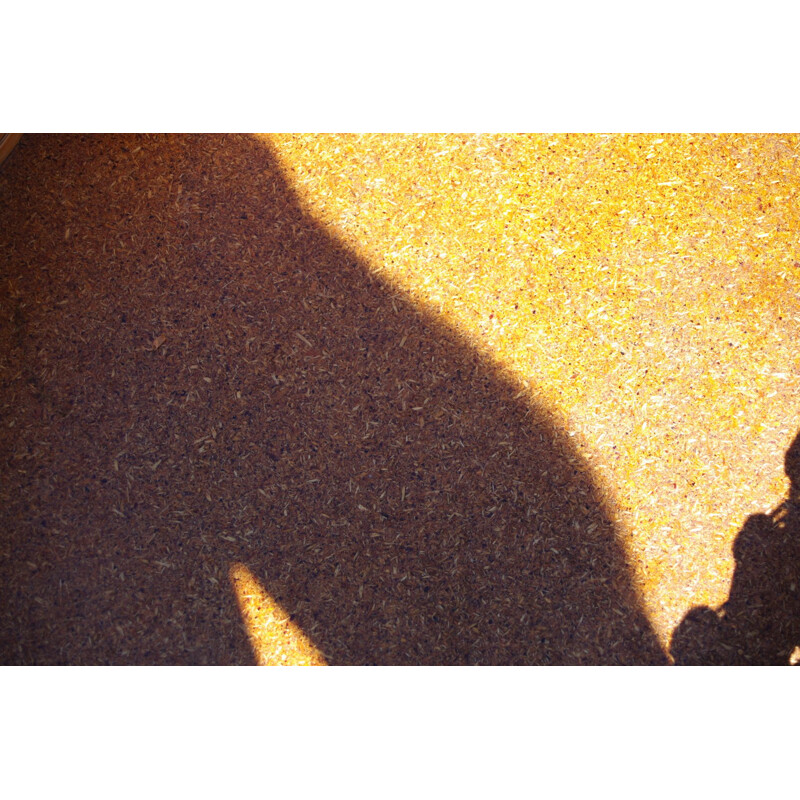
(195, 373)
(760, 621)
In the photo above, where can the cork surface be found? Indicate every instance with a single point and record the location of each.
(399, 400)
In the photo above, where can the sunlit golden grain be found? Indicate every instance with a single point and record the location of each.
(275, 639)
(644, 287)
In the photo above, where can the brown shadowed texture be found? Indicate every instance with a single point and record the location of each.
(200, 384)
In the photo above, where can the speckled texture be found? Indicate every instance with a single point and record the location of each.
(437, 399)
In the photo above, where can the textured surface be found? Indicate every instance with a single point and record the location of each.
(381, 399)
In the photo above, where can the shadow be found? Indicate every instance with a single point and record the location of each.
(196, 374)
(760, 621)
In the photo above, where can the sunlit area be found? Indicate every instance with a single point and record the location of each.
(275, 639)
(392, 399)
(645, 287)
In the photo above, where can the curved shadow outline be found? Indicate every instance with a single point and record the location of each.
(243, 390)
